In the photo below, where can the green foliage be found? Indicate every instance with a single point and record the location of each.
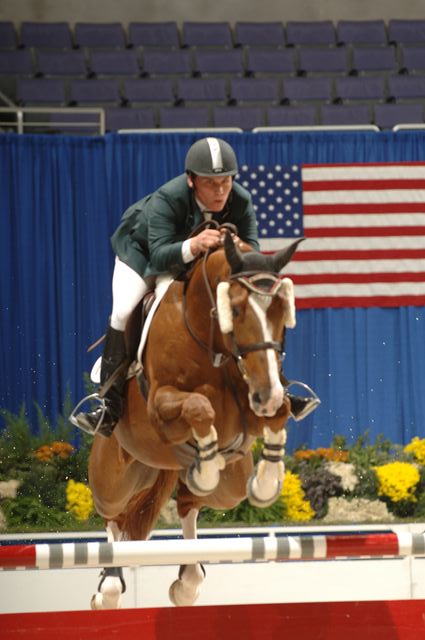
(40, 502)
(244, 514)
(43, 461)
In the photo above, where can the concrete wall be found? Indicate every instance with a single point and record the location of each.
(198, 10)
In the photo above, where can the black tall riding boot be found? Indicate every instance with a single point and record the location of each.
(114, 357)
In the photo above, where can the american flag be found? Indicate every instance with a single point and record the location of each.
(364, 226)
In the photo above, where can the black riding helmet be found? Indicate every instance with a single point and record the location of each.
(211, 157)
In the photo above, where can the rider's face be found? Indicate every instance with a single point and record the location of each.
(212, 192)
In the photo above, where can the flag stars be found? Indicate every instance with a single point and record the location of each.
(276, 198)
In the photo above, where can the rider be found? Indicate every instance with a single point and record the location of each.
(153, 238)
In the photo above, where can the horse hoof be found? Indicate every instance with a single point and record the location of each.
(99, 602)
(256, 501)
(194, 487)
(181, 597)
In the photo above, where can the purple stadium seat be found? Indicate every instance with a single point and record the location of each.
(406, 87)
(371, 32)
(47, 91)
(18, 62)
(154, 34)
(259, 34)
(145, 90)
(305, 89)
(342, 114)
(14, 64)
(61, 63)
(320, 32)
(206, 34)
(255, 90)
(322, 60)
(270, 61)
(292, 116)
(100, 34)
(202, 90)
(412, 58)
(374, 59)
(355, 88)
(184, 117)
(86, 92)
(242, 117)
(8, 36)
(412, 31)
(114, 62)
(123, 118)
(163, 62)
(47, 35)
(228, 62)
(387, 116)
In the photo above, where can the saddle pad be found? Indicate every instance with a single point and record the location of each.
(161, 286)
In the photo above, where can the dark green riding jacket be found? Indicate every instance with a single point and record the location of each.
(150, 236)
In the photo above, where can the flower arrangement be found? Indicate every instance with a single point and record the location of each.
(79, 500)
(417, 448)
(363, 482)
(297, 508)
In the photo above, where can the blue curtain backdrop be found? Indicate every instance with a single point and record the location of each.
(62, 197)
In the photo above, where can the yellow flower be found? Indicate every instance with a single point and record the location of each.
(417, 448)
(397, 481)
(79, 500)
(293, 497)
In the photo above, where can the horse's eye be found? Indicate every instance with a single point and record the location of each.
(236, 311)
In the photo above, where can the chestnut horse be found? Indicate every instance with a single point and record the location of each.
(212, 362)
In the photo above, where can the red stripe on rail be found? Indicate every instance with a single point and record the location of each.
(18, 555)
(385, 544)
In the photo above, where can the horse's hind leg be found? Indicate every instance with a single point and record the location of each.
(112, 584)
(115, 477)
(185, 590)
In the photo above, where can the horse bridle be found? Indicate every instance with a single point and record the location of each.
(247, 280)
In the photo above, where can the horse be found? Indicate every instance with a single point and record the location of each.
(213, 366)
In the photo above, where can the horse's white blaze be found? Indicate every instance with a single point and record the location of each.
(260, 305)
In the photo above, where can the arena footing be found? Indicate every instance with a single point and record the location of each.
(377, 620)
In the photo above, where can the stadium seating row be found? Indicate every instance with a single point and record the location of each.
(216, 34)
(350, 60)
(186, 91)
(384, 116)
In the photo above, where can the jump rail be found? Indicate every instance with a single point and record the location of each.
(218, 550)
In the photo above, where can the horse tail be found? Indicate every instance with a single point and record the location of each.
(144, 508)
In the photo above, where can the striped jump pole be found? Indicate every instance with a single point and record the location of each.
(210, 551)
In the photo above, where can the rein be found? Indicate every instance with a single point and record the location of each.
(248, 280)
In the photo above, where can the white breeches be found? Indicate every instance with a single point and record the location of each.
(128, 289)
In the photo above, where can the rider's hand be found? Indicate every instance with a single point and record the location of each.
(207, 239)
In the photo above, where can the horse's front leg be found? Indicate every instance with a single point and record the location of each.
(190, 414)
(265, 484)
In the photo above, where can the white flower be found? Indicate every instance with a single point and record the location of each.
(345, 471)
(357, 510)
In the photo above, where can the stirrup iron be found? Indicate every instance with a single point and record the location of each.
(312, 399)
(75, 412)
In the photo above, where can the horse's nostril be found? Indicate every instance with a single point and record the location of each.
(256, 398)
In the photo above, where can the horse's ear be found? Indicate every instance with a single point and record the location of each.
(233, 255)
(281, 258)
